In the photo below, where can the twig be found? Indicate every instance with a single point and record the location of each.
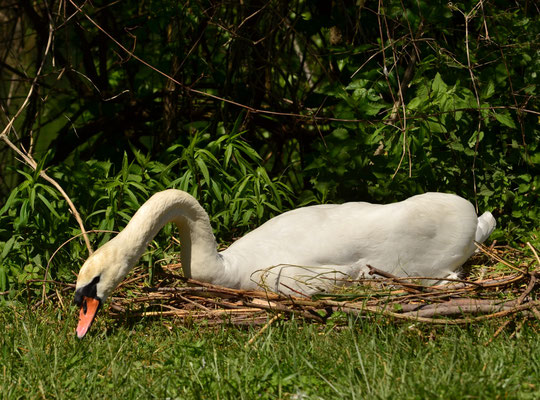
(407, 286)
(491, 254)
(441, 321)
(498, 331)
(534, 252)
(261, 331)
(194, 303)
(284, 309)
(468, 16)
(528, 290)
(447, 309)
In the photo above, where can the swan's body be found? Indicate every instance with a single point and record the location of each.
(300, 251)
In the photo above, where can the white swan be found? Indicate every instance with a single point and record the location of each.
(300, 251)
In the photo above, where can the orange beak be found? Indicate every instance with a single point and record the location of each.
(87, 314)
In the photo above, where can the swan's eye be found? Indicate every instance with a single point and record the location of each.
(89, 290)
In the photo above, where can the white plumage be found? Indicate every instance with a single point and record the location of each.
(429, 235)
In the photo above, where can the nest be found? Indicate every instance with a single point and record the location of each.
(502, 283)
(492, 291)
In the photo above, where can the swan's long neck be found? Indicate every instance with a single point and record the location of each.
(200, 258)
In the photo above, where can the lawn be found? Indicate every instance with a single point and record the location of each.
(364, 359)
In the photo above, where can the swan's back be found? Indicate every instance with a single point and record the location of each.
(426, 235)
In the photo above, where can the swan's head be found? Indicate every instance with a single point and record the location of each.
(98, 277)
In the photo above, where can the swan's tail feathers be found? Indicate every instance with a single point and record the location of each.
(486, 225)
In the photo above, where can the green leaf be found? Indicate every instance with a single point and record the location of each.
(414, 103)
(4, 281)
(505, 119)
(438, 85)
(204, 169)
(488, 90)
(228, 154)
(476, 136)
(9, 201)
(7, 247)
(49, 206)
(340, 133)
(125, 167)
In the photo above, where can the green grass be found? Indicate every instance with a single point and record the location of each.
(41, 358)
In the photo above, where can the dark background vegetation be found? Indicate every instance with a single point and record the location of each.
(256, 107)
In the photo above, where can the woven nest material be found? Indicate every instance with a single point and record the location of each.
(489, 292)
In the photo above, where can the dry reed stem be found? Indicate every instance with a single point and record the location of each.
(264, 328)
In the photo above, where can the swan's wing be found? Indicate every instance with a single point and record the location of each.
(426, 235)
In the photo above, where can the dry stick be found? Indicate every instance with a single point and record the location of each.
(457, 309)
(536, 312)
(534, 252)
(498, 331)
(41, 302)
(223, 303)
(409, 287)
(504, 281)
(528, 290)
(239, 292)
(281, 308)
(410, 311)
(240, 321)
(182, 289)
(448, 308)
(469, 67)
(135, 279)
(264, 328)
(194, 303)
(440, 321)
(429, 294)
(452, 307)
(59, 296)
(204, 289)
(491, 254)
(179, 313)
